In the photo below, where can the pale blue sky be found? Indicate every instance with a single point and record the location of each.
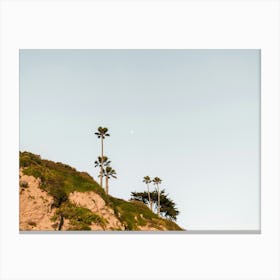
(190, 117)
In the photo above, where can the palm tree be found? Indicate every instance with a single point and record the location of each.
(99, 163)
(101, 133)
(147, 180)
(109, 173)
(158, 181)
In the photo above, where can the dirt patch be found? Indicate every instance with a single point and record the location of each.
(97, 205)
(34, 205)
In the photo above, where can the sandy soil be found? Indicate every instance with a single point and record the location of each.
(96, 204)
(35, 205)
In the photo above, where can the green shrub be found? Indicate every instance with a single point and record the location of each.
(54, 218)
(80, 227)
(35, 170)
(59, 196)
(27, 159)
(80, 218)
(132, 214)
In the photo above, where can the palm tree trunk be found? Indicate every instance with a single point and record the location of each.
(100, 175)
(107, 185)
(158, 208)
(101, 168)
(149, 197)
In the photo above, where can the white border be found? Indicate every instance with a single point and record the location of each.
(140, 24)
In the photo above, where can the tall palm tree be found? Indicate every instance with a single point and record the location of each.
(147, 180)
(99, 163)
(101, 133)
(157, 181)
(109, 173)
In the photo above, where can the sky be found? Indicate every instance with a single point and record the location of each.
(190, 117)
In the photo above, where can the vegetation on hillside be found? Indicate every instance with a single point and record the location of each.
(135, 213)
(59, 180)
(80, 218)
(168, 207)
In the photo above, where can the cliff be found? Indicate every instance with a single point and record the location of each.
(55, 196)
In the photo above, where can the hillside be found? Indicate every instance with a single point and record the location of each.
(55, 196)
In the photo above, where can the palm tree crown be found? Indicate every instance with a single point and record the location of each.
(147, 180)
(99, 161)
(109, 172)
(102, 132)
(157, 180)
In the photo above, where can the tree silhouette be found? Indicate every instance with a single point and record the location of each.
(157, 181)
(109, 173)
(99, 162)
(147, 180)
(102, 133)
(168, 207)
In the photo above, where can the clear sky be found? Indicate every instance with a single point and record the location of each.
(190, 117)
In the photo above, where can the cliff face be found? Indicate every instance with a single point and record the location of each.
(54, 196)
(96, 204)
(37, 211)
(34, 205)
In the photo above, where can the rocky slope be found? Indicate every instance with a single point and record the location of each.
(35, 211)
(54, 196)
